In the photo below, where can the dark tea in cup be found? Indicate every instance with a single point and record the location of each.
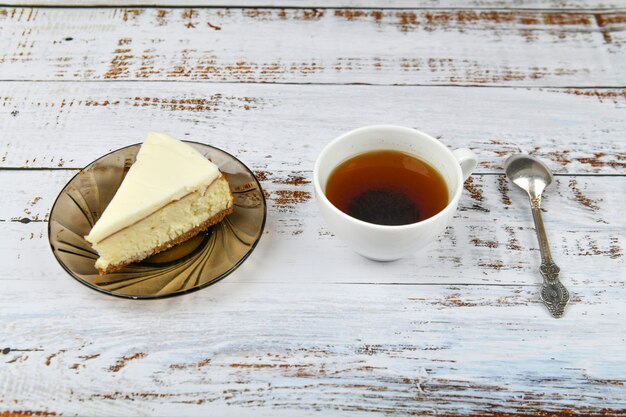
(387, 187)
(367, 176)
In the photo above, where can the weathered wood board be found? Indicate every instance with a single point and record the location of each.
(282, 349)
(305, 326)
(387, 4)
(284, 127)
(414, 47)
(491, 240)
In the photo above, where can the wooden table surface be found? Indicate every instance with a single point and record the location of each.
(305, 326)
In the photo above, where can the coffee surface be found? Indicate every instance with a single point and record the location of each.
(388, 188)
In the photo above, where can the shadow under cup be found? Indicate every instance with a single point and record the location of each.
(381, 242)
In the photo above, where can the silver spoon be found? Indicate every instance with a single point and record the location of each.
(533, 177)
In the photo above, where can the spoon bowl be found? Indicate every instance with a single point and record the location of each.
(528, 173)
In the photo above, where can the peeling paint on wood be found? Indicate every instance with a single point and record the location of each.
(446, 20)
(615, 96)
(492, 242)
(123, 361)
(279, 127)
(417, 4)
(288, 199)
(493, 47)
(305, 326)
(299, 353)
(580, 196)
(84, 359)
(50, 357)
(200, 364)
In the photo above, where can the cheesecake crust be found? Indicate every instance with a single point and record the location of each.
(185, 236)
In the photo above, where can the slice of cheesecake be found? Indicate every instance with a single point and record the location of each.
(170, 194)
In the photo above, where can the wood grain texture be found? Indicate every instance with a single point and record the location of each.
(412, 47)
(284, 349)
(305, 326)
(490, 242)
(425, 4)
(284, 127)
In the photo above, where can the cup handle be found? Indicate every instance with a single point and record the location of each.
(467, 159)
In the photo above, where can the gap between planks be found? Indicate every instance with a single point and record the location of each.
(367, 8)
(346, 84)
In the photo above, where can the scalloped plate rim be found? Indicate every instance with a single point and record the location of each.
(174, 294)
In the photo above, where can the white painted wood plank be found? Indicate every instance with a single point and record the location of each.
(425, 4)
(460, 47)
(491, 240)
(247, 349)
(284, 127)
(287, 334)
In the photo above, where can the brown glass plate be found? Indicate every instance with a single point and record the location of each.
(189, 266)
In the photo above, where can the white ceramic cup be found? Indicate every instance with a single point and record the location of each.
(380, 242)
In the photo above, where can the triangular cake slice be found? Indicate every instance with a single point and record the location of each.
(170, 194)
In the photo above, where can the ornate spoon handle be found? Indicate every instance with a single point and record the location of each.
(553, 294)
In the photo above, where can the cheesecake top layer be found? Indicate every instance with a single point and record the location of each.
(165, 170)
